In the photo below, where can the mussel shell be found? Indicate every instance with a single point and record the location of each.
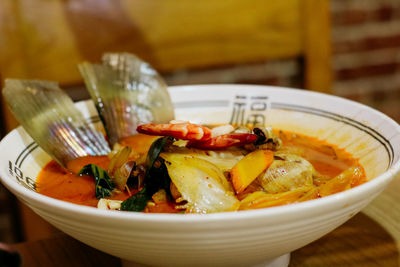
(50, 117)
(127, 92)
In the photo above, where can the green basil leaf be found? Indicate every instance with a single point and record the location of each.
(137, 202)
(103, 184)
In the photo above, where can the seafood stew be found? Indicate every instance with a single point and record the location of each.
(167, 167)
(187, 168)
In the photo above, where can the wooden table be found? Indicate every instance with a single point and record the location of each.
(371, 238)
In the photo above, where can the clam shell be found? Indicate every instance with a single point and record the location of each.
(127, 92)
(287, 173)
(50, 117)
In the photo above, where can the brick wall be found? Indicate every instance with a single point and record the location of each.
(366, 47)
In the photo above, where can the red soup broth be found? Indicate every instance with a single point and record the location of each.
(54, 181)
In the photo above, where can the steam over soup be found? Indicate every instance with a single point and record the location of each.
(188, 168)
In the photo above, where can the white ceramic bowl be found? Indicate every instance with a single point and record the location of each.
(233, 238)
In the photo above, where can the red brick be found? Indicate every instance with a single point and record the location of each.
(349, 17)
(384, 13)
(354, 97)
(367, 71)
(366, 44)
(379, 96)
(359, 16)
(269, 81)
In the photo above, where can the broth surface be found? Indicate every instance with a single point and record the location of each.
(56, 182)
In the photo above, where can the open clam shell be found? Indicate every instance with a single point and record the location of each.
(49, 116)
(127, 92)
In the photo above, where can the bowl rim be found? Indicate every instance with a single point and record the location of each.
(338, 198)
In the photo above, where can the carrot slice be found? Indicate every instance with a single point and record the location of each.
(249, 167)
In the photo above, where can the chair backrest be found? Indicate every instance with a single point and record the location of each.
(43, 39)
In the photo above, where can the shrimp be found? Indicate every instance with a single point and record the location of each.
(224, 141)
(181, 130)
(200, 137)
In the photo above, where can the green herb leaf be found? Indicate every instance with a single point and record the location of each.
(137, 202)
(103, 184)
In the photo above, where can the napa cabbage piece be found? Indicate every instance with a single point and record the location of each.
(344, 181)
(223, 159)
(120, 168)
(260, 199)
(201, 183)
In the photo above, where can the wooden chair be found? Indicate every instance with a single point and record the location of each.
(44, 39)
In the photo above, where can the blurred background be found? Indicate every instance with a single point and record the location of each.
(348, 48)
